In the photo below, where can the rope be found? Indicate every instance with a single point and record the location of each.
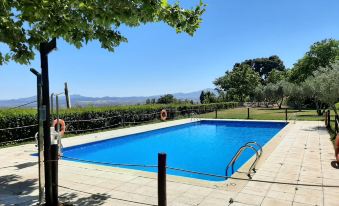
(22, 105)
(11, 128)
(90, 120)
(87, 130)
(16, 141)
(111, 164)
(104, 118)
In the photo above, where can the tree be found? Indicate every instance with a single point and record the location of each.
(167, 99)
(321, 54)
(153, 101)
(148, 101)
(240, 82)
(202, 97)
(207, 97)
(296, 95)
(276, 76)
(324, 86)
(272, 93)
(24, 24)
(258, 95)
(264, 65)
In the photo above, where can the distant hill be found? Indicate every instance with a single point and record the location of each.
(102, 101)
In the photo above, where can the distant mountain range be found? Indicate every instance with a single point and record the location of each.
(101, 101)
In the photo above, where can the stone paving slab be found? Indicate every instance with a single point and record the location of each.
(301, 154)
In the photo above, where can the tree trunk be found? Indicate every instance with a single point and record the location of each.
(280, 104)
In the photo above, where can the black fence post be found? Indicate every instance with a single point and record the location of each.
(328, 119)
(286, 116)
(248, 113)
(162, 179)
(216, 113)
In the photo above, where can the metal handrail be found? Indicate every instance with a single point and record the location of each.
(258, 145)
(194, 116)
(239, 152)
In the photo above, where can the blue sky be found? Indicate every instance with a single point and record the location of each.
(156, 60)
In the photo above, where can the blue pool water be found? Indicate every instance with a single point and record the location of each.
(204, 146)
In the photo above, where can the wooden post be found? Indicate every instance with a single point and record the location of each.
(248, 113)
(68, 99)
(162, 179)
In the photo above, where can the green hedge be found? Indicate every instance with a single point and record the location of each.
(80, 120)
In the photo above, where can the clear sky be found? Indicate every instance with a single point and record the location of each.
(156, 60)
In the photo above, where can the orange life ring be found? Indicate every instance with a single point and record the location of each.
(63, 126)
(163, 115)
(337, 147)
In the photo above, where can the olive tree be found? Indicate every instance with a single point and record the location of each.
(324, 86)
(296, 95)
(24, 24)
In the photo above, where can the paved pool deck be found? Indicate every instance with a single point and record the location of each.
(301, 153)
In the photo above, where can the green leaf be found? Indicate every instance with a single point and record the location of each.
(82, 5)
(164, 3)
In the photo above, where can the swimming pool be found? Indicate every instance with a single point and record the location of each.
(205, 146)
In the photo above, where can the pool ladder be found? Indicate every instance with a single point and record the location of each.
(194, 117)
(248, 145)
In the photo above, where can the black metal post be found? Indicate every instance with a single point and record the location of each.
(50, 192)
(216, 113)
(328, 119)
(40, 136)
(162, 179)
(286, 117)
(248, 113)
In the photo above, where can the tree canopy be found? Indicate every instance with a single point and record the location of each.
(324, 85)
(321, 54)
(207, 97)
(24, 24)
(167, 99)
(276, 76)
(240, 82)
(264, 65)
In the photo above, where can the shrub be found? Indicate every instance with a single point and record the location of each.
(80, 120)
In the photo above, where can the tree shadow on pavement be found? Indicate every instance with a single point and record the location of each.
(16, 190)
(69, 199)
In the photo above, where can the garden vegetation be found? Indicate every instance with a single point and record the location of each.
(22, 123)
